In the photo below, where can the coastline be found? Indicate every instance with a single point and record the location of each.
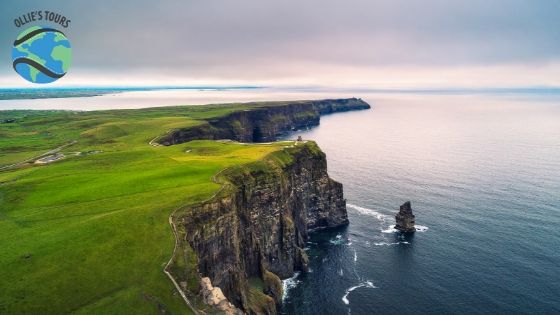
(116, 187)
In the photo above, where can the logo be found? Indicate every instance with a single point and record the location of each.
(41, 54)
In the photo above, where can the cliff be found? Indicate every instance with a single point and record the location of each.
(252, 233)
(263, 123)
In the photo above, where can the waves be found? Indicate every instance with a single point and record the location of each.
(390, 244)
(383, 218)
(288, 284)
(388, 230)
(365, 284)
(370, 212)
(339, 240)
(391, 229)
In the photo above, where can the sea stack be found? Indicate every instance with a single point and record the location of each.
(405, 219)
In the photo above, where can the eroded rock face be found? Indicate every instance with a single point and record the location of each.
(405, 219)
(213, 296)
(264, 124)
(257, 227)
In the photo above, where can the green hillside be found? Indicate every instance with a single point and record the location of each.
(89, 233)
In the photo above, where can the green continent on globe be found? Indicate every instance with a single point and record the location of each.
(41, 55)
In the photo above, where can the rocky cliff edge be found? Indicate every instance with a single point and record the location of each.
(252, 233)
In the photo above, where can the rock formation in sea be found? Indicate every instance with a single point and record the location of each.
(405, 219)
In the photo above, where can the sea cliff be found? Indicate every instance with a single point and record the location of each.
(263, 123)
(252, 232)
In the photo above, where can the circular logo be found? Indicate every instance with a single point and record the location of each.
(41, 54)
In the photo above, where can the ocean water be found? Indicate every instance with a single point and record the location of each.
(483, 175)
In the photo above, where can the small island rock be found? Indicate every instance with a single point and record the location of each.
(405, 219)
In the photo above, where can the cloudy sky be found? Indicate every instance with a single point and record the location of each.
(365, 43)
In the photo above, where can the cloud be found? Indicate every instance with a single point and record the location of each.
(257, 40)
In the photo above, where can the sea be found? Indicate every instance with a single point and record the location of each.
(481, 169)
(483, 175)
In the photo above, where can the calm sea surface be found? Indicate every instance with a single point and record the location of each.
(482, 173)
(483, 176)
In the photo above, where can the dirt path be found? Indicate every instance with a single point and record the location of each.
(153, 142)
(214, 178)
(175, 248)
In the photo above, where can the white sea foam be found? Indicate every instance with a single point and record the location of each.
(370, 212)
(366, 284)
(390, 229)
(419, 228)
(338, 240)
(288, 284)
(385, 244)
(390, 244)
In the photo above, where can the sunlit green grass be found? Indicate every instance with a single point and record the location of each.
(89, 234)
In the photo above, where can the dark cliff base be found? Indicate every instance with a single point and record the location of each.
(252, 233)
(263, 123)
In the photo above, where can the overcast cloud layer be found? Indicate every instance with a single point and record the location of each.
(357, 42)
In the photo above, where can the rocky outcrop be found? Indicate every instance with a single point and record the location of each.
(213, 296)
(263, 122)
(405, 219)
(252, 233)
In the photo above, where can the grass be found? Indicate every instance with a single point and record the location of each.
(258, 302)
(89, 234)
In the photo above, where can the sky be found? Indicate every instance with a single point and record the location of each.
(337, 43)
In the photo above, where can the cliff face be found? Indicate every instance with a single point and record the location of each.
(253, 231)
(264, 124)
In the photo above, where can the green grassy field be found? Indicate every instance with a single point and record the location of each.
(89, 234)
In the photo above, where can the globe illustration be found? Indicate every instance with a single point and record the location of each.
(41, 54)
